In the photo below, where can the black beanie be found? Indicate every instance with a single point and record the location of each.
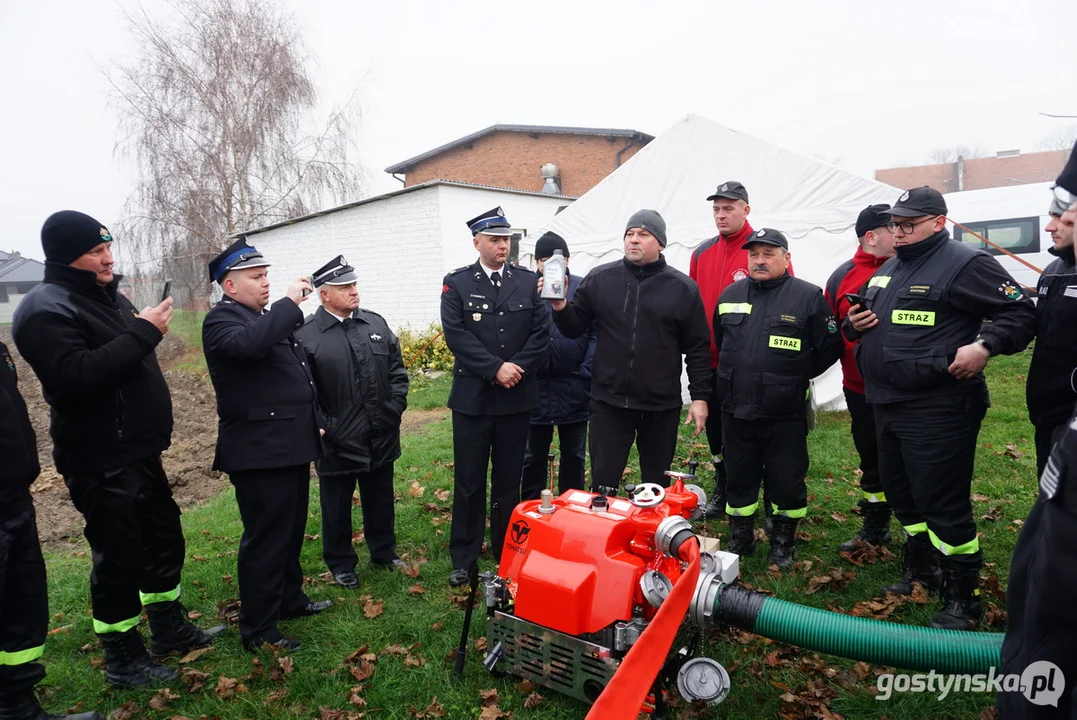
(69, 234)
(1068, 178)
(548, 243)
(650, 221)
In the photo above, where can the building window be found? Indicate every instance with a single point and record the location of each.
(3, 293)
(518, 234)
(1018, 235)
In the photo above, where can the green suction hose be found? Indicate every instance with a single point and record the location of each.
(873, 641)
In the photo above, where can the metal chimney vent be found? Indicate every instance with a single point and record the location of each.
(552, 176)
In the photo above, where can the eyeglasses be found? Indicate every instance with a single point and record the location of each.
(906, 226)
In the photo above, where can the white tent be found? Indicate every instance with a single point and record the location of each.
(813, 203)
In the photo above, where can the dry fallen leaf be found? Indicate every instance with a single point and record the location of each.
(415, 489)
(415, 661)
(194, 679)
(437, 626)
(532, 701)
(355, 696)
(442, 495)
(480, 644)
(227, 687)
(195, 654)
(416, 589)
(372, 608)
(127, 711)
(161, 699)
(433, 710)
(412, 570)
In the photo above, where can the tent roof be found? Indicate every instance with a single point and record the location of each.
(675, 173)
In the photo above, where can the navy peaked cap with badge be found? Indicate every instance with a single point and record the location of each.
(766, 236)
(335, 272)
(731, 190)
(491, 222)
(237, 256)
(919, 201)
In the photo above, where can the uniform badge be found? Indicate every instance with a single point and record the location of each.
(375, 336)
(105, 237)
(1049, 479)
(760, 233)
(9, 361)
(739, 274)
(725, 188)
(831, 324)
(476, 317)
(444, 288)
(904, 196)
(1010, 291)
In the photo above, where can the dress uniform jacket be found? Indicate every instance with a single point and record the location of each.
(363, 389)
(773, 337)
(1051, 390)
(931, 299)
(265, 392)
(486, 327)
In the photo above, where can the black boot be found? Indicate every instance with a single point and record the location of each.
(127, 665)
(876, 530)
(961, 608)
(25, 707)
(783, 542)
(716, 506)
(741, 535)
(919, 563)
(170, 631)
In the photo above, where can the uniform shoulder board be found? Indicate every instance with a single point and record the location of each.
(522, 268)
(458, 270)
(364, 311)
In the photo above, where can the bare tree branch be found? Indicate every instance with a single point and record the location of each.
(218, 111)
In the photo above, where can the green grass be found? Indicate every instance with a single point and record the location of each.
(187, 324)
(429, 622)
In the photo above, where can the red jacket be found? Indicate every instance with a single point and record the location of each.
(716, 264)
(850, 277)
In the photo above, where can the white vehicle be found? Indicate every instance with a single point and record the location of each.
(1011, 217)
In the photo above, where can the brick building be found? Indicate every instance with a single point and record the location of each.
(1005, 169)
(510, 156)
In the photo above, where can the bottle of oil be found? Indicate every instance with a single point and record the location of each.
(555, 275)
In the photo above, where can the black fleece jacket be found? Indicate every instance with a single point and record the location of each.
(98, 371)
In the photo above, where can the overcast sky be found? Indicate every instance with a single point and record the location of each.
(861, 84)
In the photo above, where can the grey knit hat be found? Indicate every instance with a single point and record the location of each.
(650, 221)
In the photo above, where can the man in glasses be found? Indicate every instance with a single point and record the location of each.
(1049, 392)
(922, 353)
(267, 436)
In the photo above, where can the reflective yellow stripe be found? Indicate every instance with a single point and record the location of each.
(913, 317)
(785, 343)
(21, 657)
(169, 596)
(968, 548)
(742, 511)
(724, 308)
(879, 281)
(875, 497)
(916, 529)
(101, 628)
(799, 513)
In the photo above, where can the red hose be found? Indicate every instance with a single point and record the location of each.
(627, 691)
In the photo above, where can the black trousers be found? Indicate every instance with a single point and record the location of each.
(24, 602)
(481, 442)
(376, 498)
(866, 441)
(133, 527)
(573, 441)
(613, 430)
(1046, 437)
(773, 453)
(273, 506)
(927, 449)
(714, 419)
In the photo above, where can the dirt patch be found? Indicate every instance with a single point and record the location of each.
(187, 462)
(415, 419)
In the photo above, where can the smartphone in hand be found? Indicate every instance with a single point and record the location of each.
(167, 291)
(854, 299)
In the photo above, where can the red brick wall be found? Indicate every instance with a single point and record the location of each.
(513, 159)
(980, 173)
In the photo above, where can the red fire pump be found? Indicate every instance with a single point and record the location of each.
(584, 575)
